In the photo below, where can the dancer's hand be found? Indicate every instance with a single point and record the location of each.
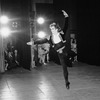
(65, 14)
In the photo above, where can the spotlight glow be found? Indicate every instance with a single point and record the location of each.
(5, 32)
(40, 20)
(41, 34)
(4, 19)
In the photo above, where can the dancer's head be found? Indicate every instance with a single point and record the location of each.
(55, 28)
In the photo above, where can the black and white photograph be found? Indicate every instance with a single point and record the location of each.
(49, 50)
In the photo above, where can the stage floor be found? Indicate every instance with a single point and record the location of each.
(47, 83)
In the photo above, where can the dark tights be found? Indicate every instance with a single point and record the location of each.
(65, 70)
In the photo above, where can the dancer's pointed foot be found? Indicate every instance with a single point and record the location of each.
(68, 85)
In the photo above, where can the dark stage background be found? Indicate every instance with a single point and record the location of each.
(84, 21)
(88, 19)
